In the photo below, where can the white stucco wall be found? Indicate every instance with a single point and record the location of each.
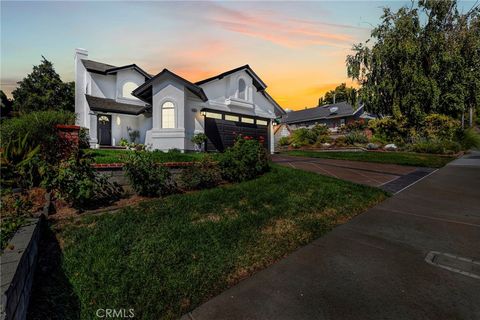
(124, 76)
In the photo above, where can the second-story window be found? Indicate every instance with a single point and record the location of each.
(127, 89)
(242, 88)
(168, 115)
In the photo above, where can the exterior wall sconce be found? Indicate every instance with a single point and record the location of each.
(203, 113)
(119, 121)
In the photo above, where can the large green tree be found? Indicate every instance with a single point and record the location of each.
(419, 60)
(43, 90)
(339, 94)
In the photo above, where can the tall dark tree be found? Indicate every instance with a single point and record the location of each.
(422, 59)
(43, 90)
(339, 94)
(6, 106)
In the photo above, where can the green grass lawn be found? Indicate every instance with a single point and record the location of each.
(165, 257)
(119, 156)
(403, 158)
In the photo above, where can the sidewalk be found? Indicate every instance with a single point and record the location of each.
(374, 267)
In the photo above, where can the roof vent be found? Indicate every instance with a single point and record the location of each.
(333, 109)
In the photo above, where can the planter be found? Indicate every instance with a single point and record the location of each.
(18, 263)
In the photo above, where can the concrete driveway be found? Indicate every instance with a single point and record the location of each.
(414, 256)
(390, 177)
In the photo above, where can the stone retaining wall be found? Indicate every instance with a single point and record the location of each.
(18, 262)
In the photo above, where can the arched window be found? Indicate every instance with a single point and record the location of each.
(168, 115)
(127, 89)
(241, 89)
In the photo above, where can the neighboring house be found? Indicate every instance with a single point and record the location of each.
(281, 130)
(169, 110)
(331, 115)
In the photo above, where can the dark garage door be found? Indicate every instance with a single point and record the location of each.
(221, 133)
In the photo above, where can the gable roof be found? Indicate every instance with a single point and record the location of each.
(343, 109)
(103, 68)
(279, 110)
(257, 82)
(144, 92)
(110, 105)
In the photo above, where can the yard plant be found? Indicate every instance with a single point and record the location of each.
(166, 256)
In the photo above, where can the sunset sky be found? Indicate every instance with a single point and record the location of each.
(297, 48)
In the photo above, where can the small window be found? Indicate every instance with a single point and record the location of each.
(103, 119)
(247, 120)
(127, 89)
(168, 115)
(242, 89)
(262, 122)
(213, 115)
(231, 118)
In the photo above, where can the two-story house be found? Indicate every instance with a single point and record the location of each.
(169, 110)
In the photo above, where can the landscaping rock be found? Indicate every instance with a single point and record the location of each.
(373, 146)
(391, 147)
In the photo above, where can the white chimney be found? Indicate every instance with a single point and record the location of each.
(81, 106)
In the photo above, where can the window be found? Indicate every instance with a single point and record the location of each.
(103, 119)
(242, 89)
(247, 120)
(231, 118)
(127, 89)
(168, 115)
(262, 122)
(213, 115)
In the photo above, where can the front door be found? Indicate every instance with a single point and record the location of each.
(104, 129)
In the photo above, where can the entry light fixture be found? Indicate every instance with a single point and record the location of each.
(203, 113)
(118, 121)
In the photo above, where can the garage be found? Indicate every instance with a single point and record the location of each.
(221, 129)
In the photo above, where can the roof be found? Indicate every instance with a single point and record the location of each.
(144, 92)
(343, 109)
(257, 82)
(277, 106)
(110, 105)
(103, 68)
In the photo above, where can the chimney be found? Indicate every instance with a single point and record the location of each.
(81, 53)
(81, 106)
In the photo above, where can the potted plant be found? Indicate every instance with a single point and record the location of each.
(198, 140)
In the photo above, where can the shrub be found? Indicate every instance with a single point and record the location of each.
(147, 177)
(435, 146)
(356, 137)
(357, 125)
(133, 134)
(439, 126)
(14, 208)
(320, 130)
(245, 160)
(284, 141)
(391, 129)
(341, 141)
(123, 142)
(469, 139)
(199, 139)
(202, 174)
(83, 139)
(302, 137)
(80, 185)
(324, 139)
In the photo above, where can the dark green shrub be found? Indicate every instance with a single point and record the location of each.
(435, 146)
(201, 175)
(320, 130)
(81, 185)
(357, 125)
(356, 137)
(469, 139)
(302, 137)
(439, 126)
(147, 177)
(40, 126)
(340, 141)
(284, 141)
(246, 160)
(391, 129)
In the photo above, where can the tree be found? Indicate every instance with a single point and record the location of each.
(43, 90)
(341, 93)
(6, 106)
(424, 59)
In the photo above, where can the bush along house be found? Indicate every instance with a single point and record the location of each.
(169, 110)
(332, 115)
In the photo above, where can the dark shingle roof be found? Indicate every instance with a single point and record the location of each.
(328, 111)
(103, 68)
(257, 82)
(110, 105)
(144, 93)
(96, 66)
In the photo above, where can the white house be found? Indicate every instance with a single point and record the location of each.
(169, 110)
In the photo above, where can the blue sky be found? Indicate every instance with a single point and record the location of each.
(298, 48)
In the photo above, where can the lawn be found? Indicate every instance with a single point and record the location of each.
(119, 156)
(402, 158)
(166, 256)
